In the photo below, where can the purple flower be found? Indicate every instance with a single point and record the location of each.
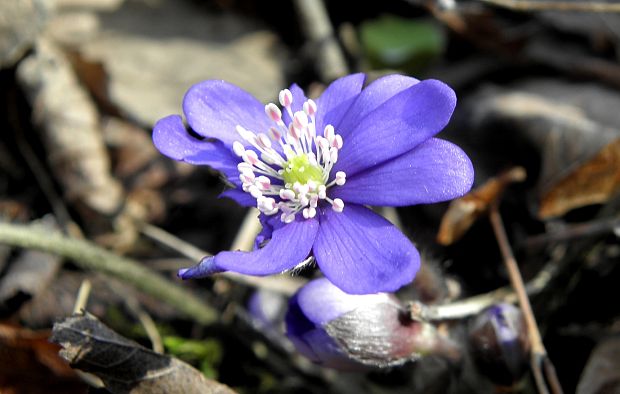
(311, 167)
(351, 331)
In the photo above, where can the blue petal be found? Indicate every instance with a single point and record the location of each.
(433, 171)
(397, 126)
(242, 198)
(362, 253)
(214, 109)
(172, 139)
(336, 100)
(371, 98)
(290, 244)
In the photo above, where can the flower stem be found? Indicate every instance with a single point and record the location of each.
(92, 257)
(539, 357)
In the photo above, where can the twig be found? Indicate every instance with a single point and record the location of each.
(90, 256)
(147, 323)
(331, 63)
(82, 296)
(80, 305)
(583, 6)
(538, 351)
(590, 229)
(250, 227)
(281, 284)
(474, 305)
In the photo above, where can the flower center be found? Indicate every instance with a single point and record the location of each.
(287, 169)
(299, 169)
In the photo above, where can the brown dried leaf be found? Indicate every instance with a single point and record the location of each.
(30, 364)
(28, 276)
(601, 374)
(594, 182)
(123, 365)
(464, 211)
(70, 129)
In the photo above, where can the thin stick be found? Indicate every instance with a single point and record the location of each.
(581, 230)
(82, 296)
(538, 351)
(476, 304)
(148, 324)
(583, 6)
(331, 63)
(92, 257)
(250, 227)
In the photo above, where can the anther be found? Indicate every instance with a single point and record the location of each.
(263, 182)
(338, 205)
(285, 97)
(263, 141)
(310, 107)
(250, 157)
(287, 194)
(300, 120)
(273, 112)
(238, 148)
(274, 134)
(341, 178)
(329, 132)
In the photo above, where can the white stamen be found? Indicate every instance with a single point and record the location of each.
(341, 178)
(287, 194)
(337, 205)
(279, 158)
(329, 132)
(250, 157)
(285, 97)
(310, 107)
(238, 148)
(274, 134)
(300, 120)
(273, 112)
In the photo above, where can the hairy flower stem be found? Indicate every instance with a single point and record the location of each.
(540, 363)
(92, 257)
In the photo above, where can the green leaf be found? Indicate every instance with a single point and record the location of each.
(401, 43)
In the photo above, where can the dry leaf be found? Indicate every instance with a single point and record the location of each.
(30, 364)
(123, 365)
(140, 46)
(594, 182)
(464, 211)
(28, 276)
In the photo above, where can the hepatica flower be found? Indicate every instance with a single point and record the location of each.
(311, 167)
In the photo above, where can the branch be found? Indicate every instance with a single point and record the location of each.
(92, 257)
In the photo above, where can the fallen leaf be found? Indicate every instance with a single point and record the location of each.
(160, 34)
(463, 212)
(30, 364)
(20, 23)
(28, 275)
(594, 182)
(123, 365)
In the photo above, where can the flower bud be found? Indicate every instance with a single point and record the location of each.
(498, 341)
(356, 332)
